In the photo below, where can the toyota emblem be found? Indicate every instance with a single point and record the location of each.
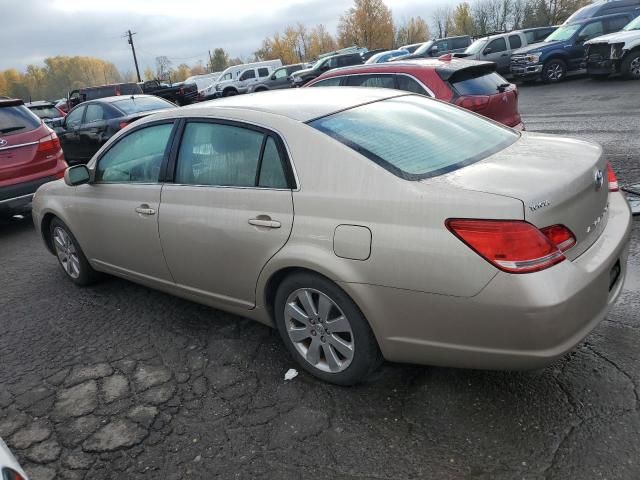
(599, 179)
(3, 142)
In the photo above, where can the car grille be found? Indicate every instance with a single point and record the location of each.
(599, 51)
(519, 60)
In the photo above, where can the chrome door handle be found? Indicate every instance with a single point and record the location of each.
(264, 222)
(145, 210)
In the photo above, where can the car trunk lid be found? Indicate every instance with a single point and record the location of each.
(560, 181)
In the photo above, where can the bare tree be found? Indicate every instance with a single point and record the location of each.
(442, 20)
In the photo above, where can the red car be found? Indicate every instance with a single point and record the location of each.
(470, 84)
(30, 155)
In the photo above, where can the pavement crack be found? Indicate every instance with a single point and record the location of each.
(620, 369)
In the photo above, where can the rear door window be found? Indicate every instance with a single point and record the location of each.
(328, 82)
(248, 74)
(441, 138)
(263, 72)
(74, 119)
(476, 82)
(592, 30)
(408, 84)
(372, 80)
(514, 42)
(17, 119)
(457, 43)
(615, 24)
(95, 113)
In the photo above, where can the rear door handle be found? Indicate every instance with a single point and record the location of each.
(144, 209)
(264, 222)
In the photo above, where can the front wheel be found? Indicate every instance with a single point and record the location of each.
(554, 71)
(70, 255)
(229, 93)
(324, 330)
(631, 66)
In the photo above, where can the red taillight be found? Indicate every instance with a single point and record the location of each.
(473, 103)
(123, 124)
(513, 246)
(560, 236)
(48, 147)
(613, 180)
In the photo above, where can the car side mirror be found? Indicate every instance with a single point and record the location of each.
(58, 123)
(434, 49)
(77, 175)
(273, 77)
(487, 51)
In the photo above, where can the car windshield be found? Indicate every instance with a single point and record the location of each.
(634, 25)
(141, 104)
(563, 33)
(415, 137)
(318, 64)
(17, 120)
(424, 48)
(476, 46)
(46, 112)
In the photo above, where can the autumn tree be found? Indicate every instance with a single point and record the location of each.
(368, 23)
(321, 41)
(181, 73)
(462, 20)
(197, 69)
(219, 60)
(412, 31)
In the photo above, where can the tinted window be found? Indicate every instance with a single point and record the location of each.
(135, 158)
(248, 74)
(373, 80)
(130, 89)
(542, 33)
(45, 112)
(459, 43)
(514, 42)
(141, 104)
(591, 30)
(263, 72)
(271, 171)
(615, 24)
(473, 82)
(350, 60)
(74, 118)
(410, 85)
(216, 154)
(295, 68)
(281, 73)
(443, 46)
(329, 82)
(95, 113)
(440, 139)
(17, 120)
(497, 45)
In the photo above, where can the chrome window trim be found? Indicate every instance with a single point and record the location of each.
(427, 89)
(18, 146)
(16, 198)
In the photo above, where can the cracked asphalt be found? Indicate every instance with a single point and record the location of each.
(119, 381)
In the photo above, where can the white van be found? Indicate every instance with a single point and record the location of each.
(238, 78)
(204, 80)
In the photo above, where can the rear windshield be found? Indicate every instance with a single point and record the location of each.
(415, 137)
(46, 112)
(141, 104)
(473, 82)
(17, 120)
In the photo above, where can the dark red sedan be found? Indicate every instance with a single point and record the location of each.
(30, 155)
(470, 84)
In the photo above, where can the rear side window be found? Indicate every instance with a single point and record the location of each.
(95, 113)
(263, 72)
(514, 42)
(615, 24)
(414, 137)
(457, 43)
(408, 84)
(474, 82)
(349, 60)
(248, 74)
(329, 82)
(17, 120)
(373, 80)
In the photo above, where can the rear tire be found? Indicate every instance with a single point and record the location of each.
(631, 66)
(70, 256)
(324, 330)
(554, 71)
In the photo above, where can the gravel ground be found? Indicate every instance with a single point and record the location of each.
(118, 381)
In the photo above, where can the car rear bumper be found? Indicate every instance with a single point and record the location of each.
(18, 197)
(516, 322)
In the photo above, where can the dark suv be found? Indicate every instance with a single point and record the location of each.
(102, 91)
(599, 9)
(278, 79)
(301, 77)
(435, 48)
(563, 50)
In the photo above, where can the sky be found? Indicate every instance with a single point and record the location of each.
(183, 30)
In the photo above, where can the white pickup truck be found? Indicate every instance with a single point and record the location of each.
(615, 53)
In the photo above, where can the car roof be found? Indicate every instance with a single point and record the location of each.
(10, 102)
(119, 97)
(445, 68)
(39, 103)
(599, 17)
(301, 104)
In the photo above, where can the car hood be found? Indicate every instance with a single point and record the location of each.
(303, 72)
(538, 47)
(616, 37)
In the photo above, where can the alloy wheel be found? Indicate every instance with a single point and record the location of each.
(319, 330)
(634, 67)
(66, 252)
(554, 72)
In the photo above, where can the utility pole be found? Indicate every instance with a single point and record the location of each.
(133, 49)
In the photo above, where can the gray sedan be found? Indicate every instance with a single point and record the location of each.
(363, 224)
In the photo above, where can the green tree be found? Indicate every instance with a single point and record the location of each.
(219, 60)
(462, 20)
(368, 23)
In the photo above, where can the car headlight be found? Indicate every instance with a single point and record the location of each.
(297, 79)
(616, 50)
(533, 57)
(218, 87)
